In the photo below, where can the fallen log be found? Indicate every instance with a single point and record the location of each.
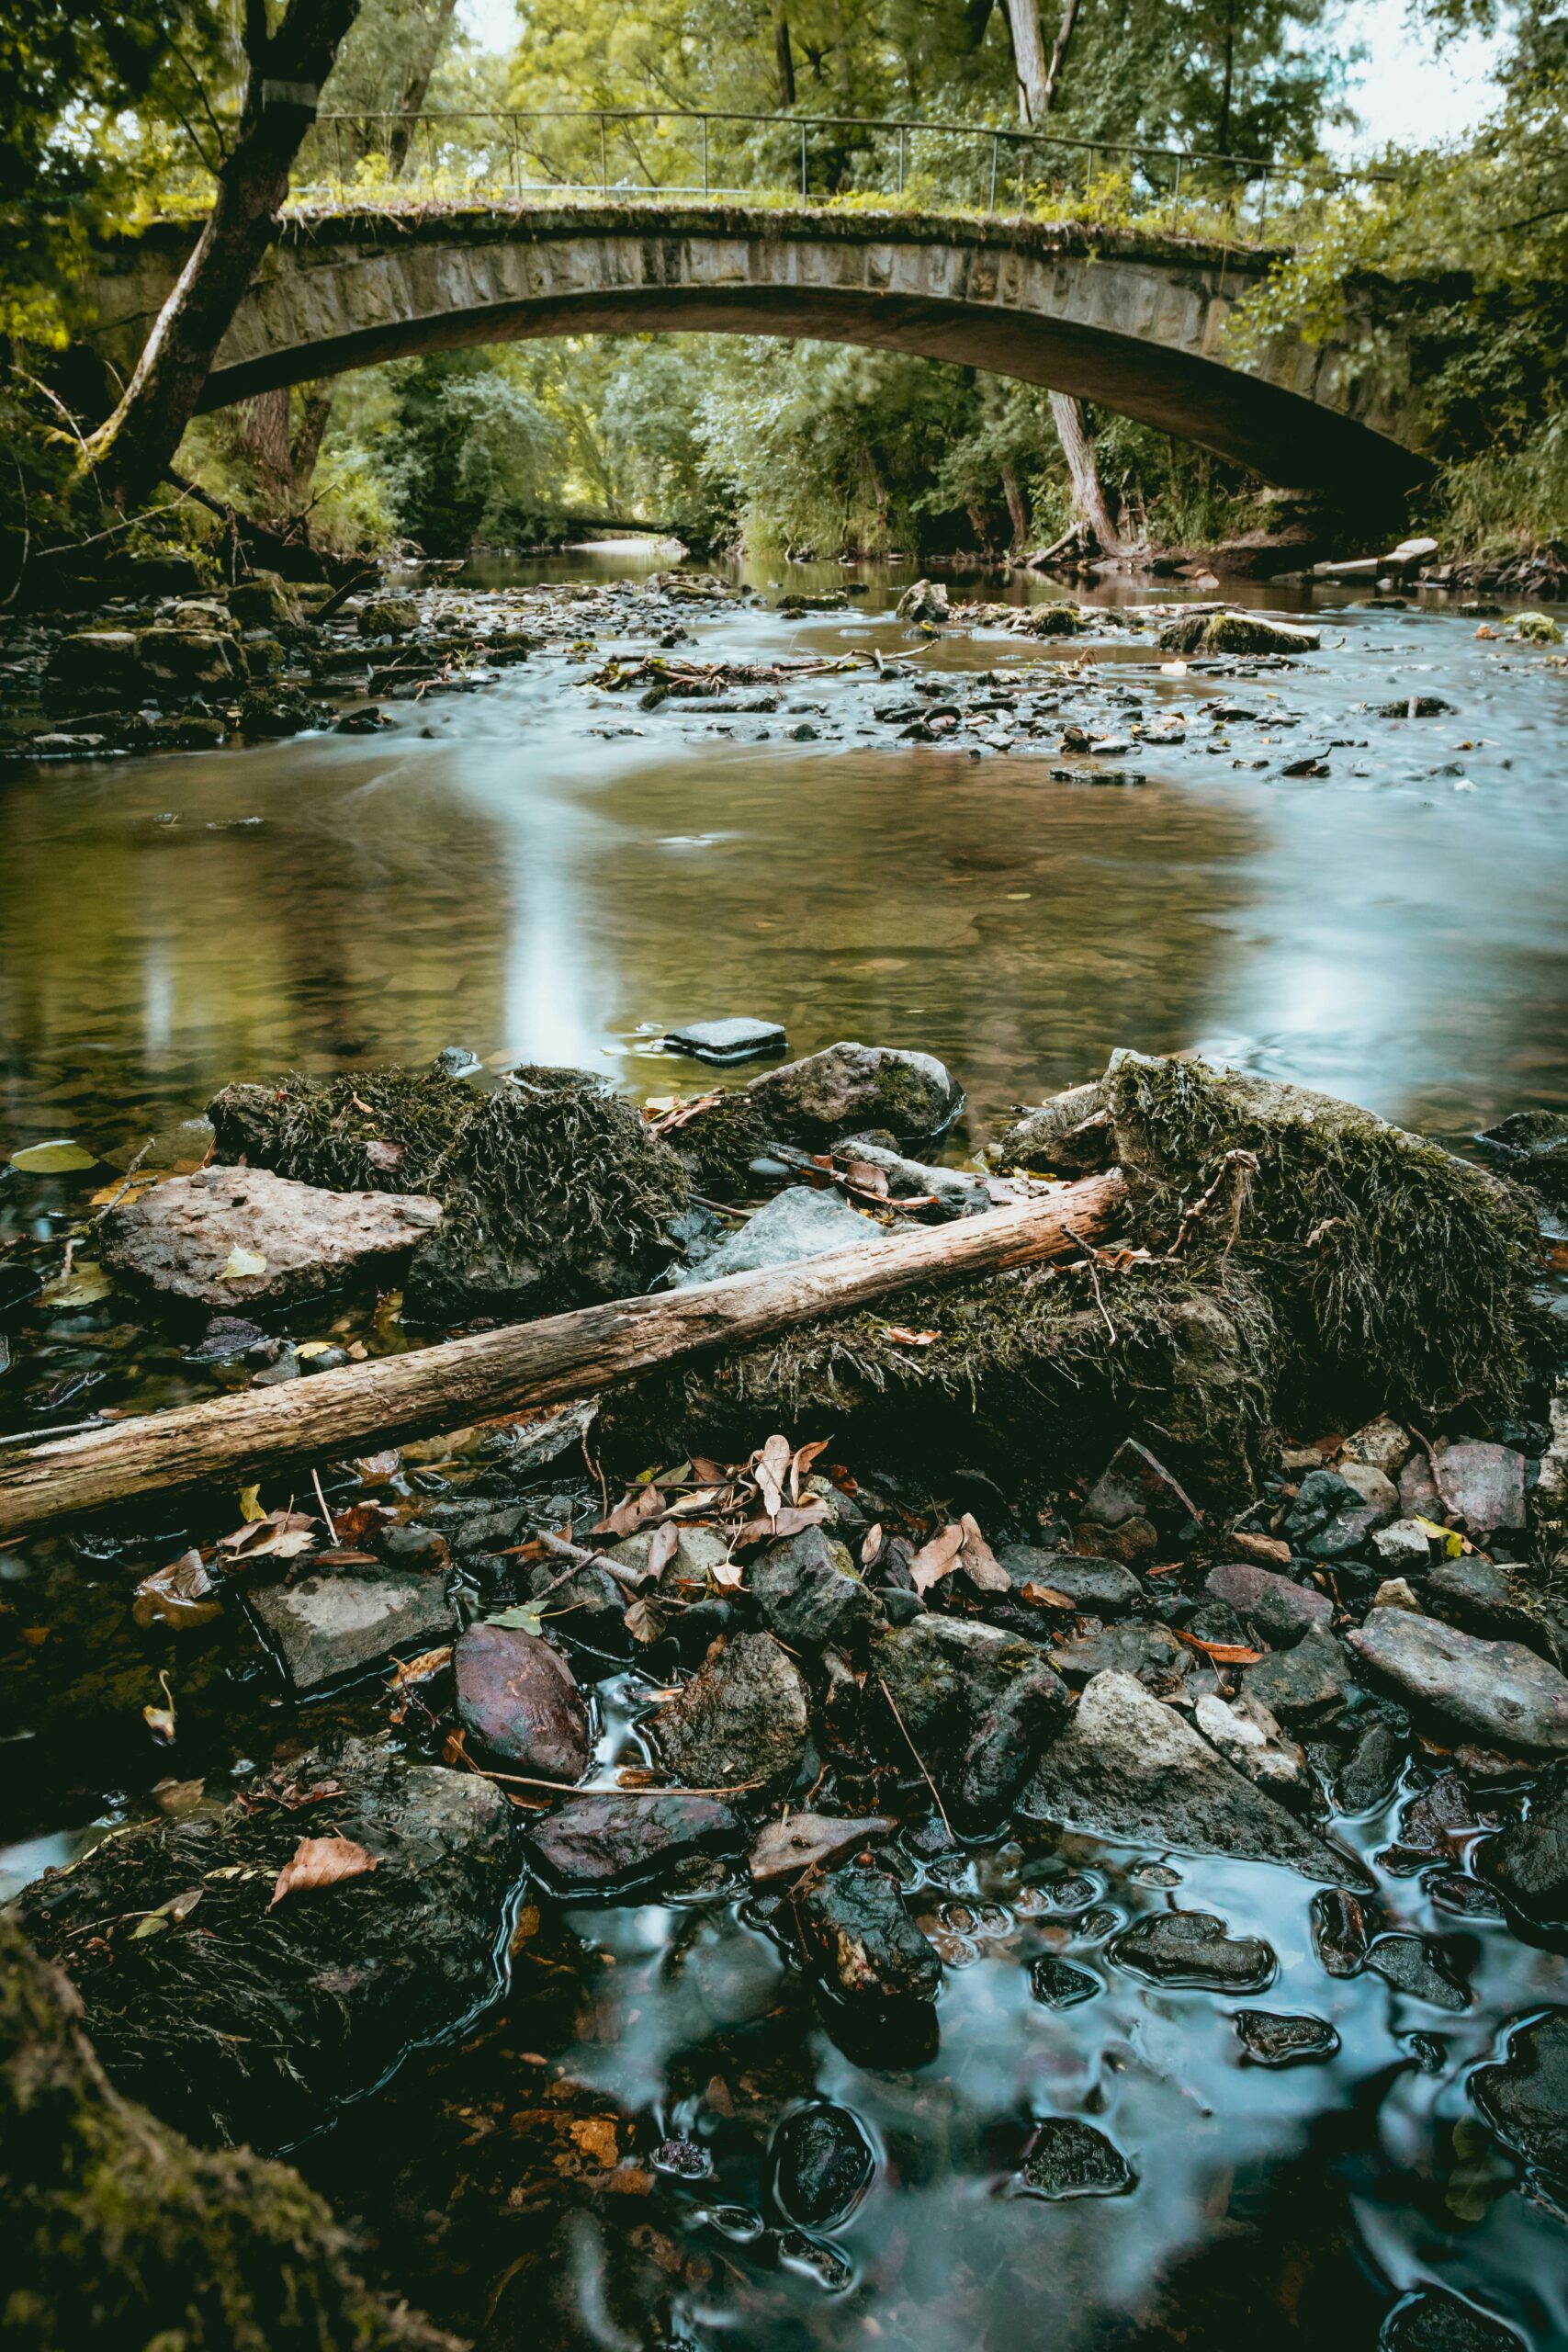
(523, 1364)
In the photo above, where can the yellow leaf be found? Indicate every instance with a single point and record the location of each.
(56, 1158)
(313, 1348)
(249, 1504)
(242, 1263)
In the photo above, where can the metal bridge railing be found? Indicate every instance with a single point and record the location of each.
(679, 152)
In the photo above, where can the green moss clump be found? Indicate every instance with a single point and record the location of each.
(720, 1143)
(1538, 628)
(1055, 620)
(371, 1131)
(1234, 633)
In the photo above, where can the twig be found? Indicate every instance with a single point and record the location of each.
(1090, 1261)
(316, 1482)
(916, 1754)
(130, 1179)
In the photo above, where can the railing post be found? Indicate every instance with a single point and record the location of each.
(900, 159)
(704, 155)
(803, 163)
(604, 157)
(996, 152)
(1089, 176)
(1176, 190)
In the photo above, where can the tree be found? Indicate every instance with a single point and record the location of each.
(284, 70)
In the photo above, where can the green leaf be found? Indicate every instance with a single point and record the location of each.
(526, 1616)
(57, 1159)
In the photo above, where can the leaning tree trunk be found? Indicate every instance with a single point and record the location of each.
(262, 432)
(121, 2232)
(1039, 81)
(129, 453)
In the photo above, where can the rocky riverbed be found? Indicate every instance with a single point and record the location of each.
(951, 1816)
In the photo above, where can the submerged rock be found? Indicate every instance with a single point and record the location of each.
(1493, 1692)
(1434, 2321)
(245, 2020)
(848, 1086)
(822, 2166)
(863, 1943)
(227, 1234)
(606, 1845)
(338, 1622)
(519, 1698)
(796, 1223)
(1410, 1966)
(1524, 2098)
(1070, 2158)
(1272, 2040)
(1528, 1862)
(1131, 1769)
(741, 1720)
(1060, 1985)
(1194, 1950)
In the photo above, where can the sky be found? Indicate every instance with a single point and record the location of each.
(1404, 91)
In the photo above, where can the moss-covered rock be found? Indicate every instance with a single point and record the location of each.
(846, 1087)
(263, 600)
(1234, 633)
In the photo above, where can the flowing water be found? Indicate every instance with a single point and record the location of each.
(537, 871)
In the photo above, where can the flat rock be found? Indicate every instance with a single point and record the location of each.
(1248, 1735)
(1304, 1684)
(1524, 2098)
(519, 1698)
(952, 1191)
(248, 2022)
(804, 1841)
(338, 1622)
(1273, 2040)
(185, 1234)
(864, 1943)
(734, 1039)
(1070, 2158)
(1279, 1610)
(831, 1094)
(1409, 1964)
(796, 1223)
(1496, 1692)
(605, 1845)
(1124, 1649)
(741, 1720)
(1482, 1485)
(1193, 1949)
(1134, 1484)
(1088, 1588)
(1133, 1770)
(806, 1592)
(1528, 1862)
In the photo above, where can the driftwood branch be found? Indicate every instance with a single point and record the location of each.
(523, 1365)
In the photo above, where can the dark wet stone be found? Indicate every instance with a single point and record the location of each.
(1132, 1770)
(1088, 1588)
(822, 2166)
(863, 1943)
(1524, 2098)
(1371, 1772)
(1274, 1607)
(589, 1606)
(806, 1592)
(228, 1338)
(1134, 1484)
(825, 2263)
(742, 1717)
(1465, 1897)
(1497, 1693)
(1069, 2158)
(1304, 1684)
(847, 1086)
(518, 1697)
(1434, 2321)
(602, 1845)
(684, 2159)
(1123, 1650)
(1274, 2041)
(1059, 1984)
(787, 1849)
(1339, 1932)
(1475, 1594)
(734, 1039)
(978, 1705)
(338, 1622)
(1011, 1731)
(408, 1543)
(1410, 1965)
(1528, 1862)
(247, 2022)
(1533, 1146)
(1192, 1948)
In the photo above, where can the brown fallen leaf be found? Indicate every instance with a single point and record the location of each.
(178, 1596)
(938, 1558)
(1222, 1653)
(662, 1547)
(770, 1467)
(865, 1178)
(871, 1545)
(322, 1861)
(789, 1519)
(977, 1560)
(804, 1455)
(908, 1339)
(374, 1468)
(1045, 1595)
(595, 2135)
(642, 1503)
(1263, 1551)
(645, 1622)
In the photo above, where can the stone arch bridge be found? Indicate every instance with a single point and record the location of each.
(1135, 323)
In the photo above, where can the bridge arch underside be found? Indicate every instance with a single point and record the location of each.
(1288, 440)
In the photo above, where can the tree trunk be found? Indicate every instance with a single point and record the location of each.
(1018, 508)
(121, 2233)
(128, 454)
(1077, 448)
(784, 57)
(1059, 47)
(1228, 83)
(315, 415)
(262, 431)
(416, 87)
(431, 1389)
(1029, 60)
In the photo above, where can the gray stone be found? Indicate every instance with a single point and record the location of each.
(926, 600)
(1482, 1485)
(741, 1719)
(1246, 1735)
(953, 1190)
(1410, 1966)
(1193, 1949)
(1418, 1495)
(1382, 1443)
(796, 1223)
(1059, 1984)
(1476, 1593)
(806, 1593)
(1151, 1650)
(1277, 1609)
(1131, 1770)
(338, 1622)
(1373, 1484)
(1402, 1544)
(94, 665)
(1088, 1588)
(787, 1849)
(862, 1942)
(978, 1703)
(1070, 2158)
(1524, 2098)
(184, 660)
(1371, 1772)
(1134, 1484)
(1528, 1862)
(181, 1236)
(847, 1086)
(1493, 1692)
(519, 1698)
(1269, 2039)
(729, 1041)
(698, 1551)
(1395, 1593)
(606, 1845)
(1304, 1684)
